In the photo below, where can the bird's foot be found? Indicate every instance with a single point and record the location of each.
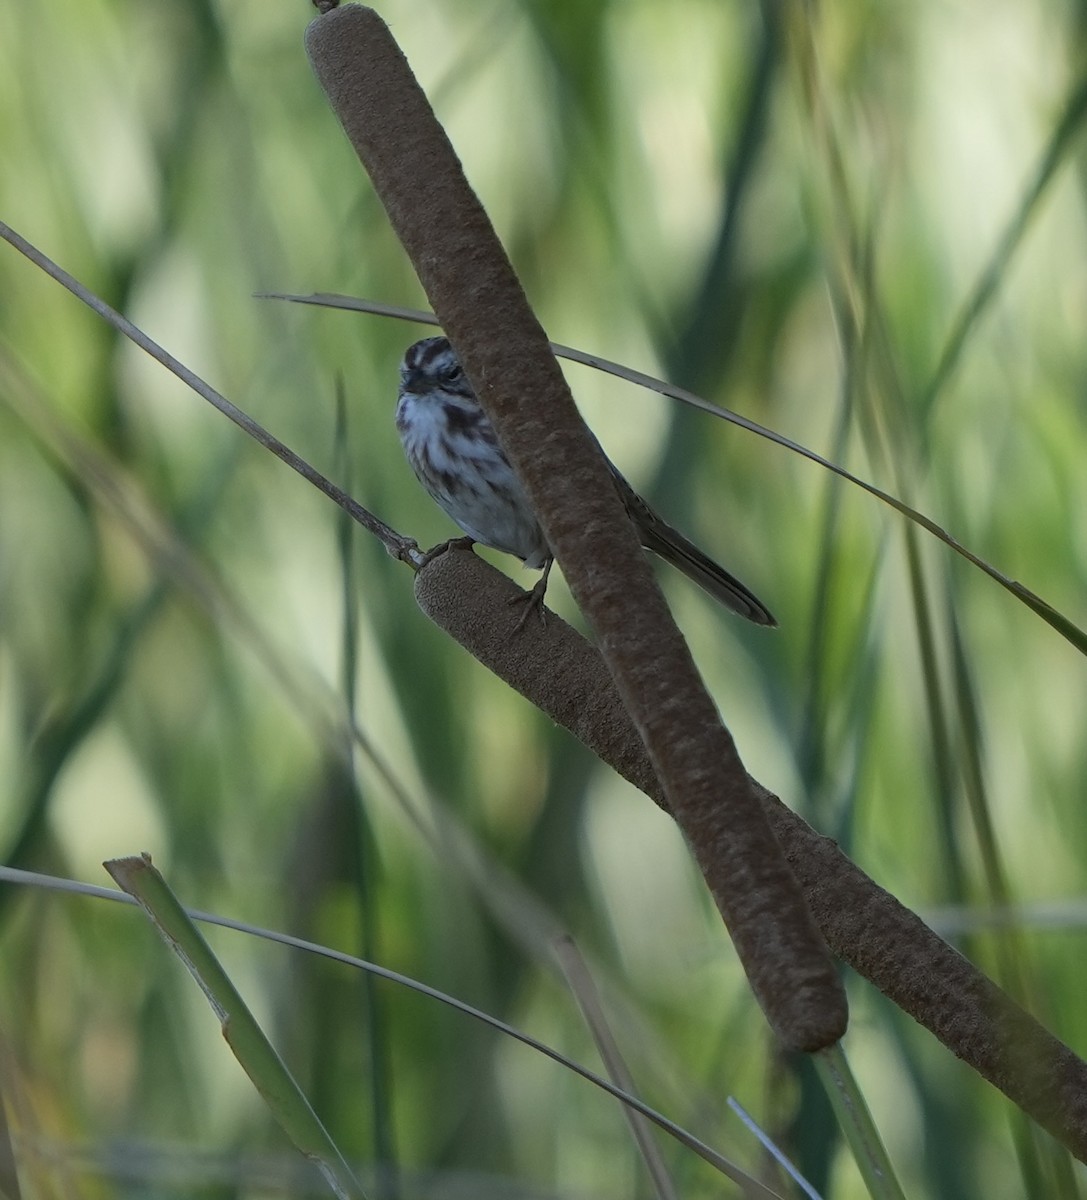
(534, 600)
(531, 602)
(459, 543)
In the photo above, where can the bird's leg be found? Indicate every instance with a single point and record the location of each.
(461, 543)
(534, 600)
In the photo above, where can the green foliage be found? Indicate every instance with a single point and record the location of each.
(863, 227)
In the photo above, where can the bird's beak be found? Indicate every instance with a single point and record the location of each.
(412, 380)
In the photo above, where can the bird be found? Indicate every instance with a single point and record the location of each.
(452, 447)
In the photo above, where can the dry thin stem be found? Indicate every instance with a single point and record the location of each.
(397, 545)
(1052, 616)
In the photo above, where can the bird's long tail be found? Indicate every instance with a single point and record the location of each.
(657, 535)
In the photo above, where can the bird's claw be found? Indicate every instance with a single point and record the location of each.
(458, 543)
(533, 601)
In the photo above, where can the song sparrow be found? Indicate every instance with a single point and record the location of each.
(452, 448)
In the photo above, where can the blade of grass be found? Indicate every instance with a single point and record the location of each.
(254, 1052)
(681, 1135)
(956, 760)
(9, 1169)
(580, 982)
(857, 1124)
(771, 1148)
(362, 856)
(988, 283)
(89, 699)
(1040, 1157)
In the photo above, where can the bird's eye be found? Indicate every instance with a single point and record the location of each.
(452, 373)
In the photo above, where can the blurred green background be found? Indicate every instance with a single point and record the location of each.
(789, 209)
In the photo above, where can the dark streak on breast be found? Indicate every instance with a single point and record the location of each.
(460, 419)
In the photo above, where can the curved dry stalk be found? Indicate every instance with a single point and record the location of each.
(403, 548)
(1053, 617)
